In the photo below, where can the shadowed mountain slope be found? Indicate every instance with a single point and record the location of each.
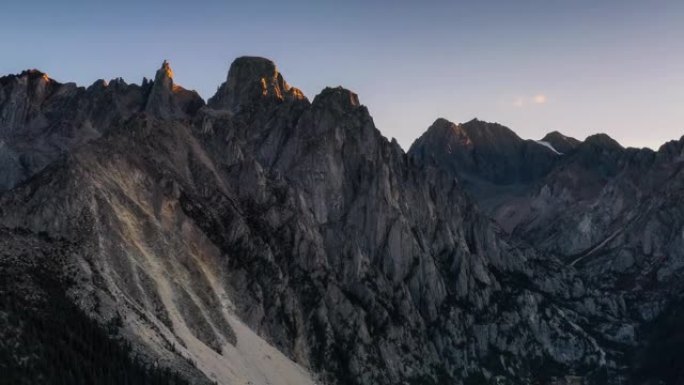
(613, 213)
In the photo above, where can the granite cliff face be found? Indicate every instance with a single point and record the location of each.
(265, 238)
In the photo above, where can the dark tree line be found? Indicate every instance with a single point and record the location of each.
(52, 341)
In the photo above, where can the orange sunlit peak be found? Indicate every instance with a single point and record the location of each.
(264, 87)
(167, 69)
(298, 94)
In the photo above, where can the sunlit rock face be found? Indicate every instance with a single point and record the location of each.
(253, 81)
(167, 100)
(262, 238)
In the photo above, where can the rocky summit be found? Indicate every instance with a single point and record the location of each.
(263, 238)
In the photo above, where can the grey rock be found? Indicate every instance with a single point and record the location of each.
(300, 220)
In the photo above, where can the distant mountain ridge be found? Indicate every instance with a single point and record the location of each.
(614, 213)
(490, 150)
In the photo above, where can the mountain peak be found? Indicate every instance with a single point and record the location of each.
(555, 135)
(30, 75)
(489, 133)
(160, 101)
(260, 65)
(252, 79)
(168, 100)
(482, 151)
(338, 97)
(602, 140)
(474, 132)
(439, 122)
(560, 142)
(164, 76)
(442, 129)
(35, 74)
(165, 72)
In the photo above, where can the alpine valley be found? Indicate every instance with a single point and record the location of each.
(150, 237)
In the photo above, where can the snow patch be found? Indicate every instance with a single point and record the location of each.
(549, 146)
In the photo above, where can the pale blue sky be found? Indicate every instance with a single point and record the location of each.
(575, 66)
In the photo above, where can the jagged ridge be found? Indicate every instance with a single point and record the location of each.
(264, 213)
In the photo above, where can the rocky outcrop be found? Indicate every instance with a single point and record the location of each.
(167, 100)
(253, 81)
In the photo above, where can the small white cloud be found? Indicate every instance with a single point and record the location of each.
(523, 101)
(539, 99)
